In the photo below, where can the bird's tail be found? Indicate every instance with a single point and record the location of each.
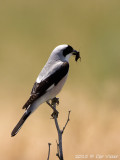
(20, 123)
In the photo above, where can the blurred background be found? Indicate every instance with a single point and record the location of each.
(29, 31)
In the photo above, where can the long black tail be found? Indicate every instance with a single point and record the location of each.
(20, 123)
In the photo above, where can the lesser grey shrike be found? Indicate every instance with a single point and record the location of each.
(49, 82)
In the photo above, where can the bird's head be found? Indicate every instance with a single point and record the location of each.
(64, 52)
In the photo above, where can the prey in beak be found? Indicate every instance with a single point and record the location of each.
(77, 55)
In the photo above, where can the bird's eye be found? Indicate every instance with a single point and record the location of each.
(67, 50)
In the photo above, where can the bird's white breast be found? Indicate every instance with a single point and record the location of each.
(56, 89)
(51, 93)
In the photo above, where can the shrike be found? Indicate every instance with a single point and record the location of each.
(49, 82)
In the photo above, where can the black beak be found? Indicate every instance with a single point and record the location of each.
(77, 55)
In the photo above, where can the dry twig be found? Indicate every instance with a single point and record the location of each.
(49, 144)
(59, 153)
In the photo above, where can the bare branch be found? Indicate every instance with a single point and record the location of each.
(57, 125)
(58, 152)
(49, 144)
(53, 104)
(66, 122)
(59, 134)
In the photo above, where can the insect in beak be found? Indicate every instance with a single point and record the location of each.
(77, 55)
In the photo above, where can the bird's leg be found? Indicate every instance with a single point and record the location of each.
(54, 101)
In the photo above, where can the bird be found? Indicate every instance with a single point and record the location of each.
(49, 82)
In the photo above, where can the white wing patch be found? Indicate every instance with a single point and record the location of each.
(50, 87)
(38, 80)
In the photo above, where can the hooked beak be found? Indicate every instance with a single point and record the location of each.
(77, 55)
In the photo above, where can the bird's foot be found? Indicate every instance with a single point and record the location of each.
(55, 101)
(54, 114)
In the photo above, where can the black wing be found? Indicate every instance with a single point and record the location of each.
(40, 88)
